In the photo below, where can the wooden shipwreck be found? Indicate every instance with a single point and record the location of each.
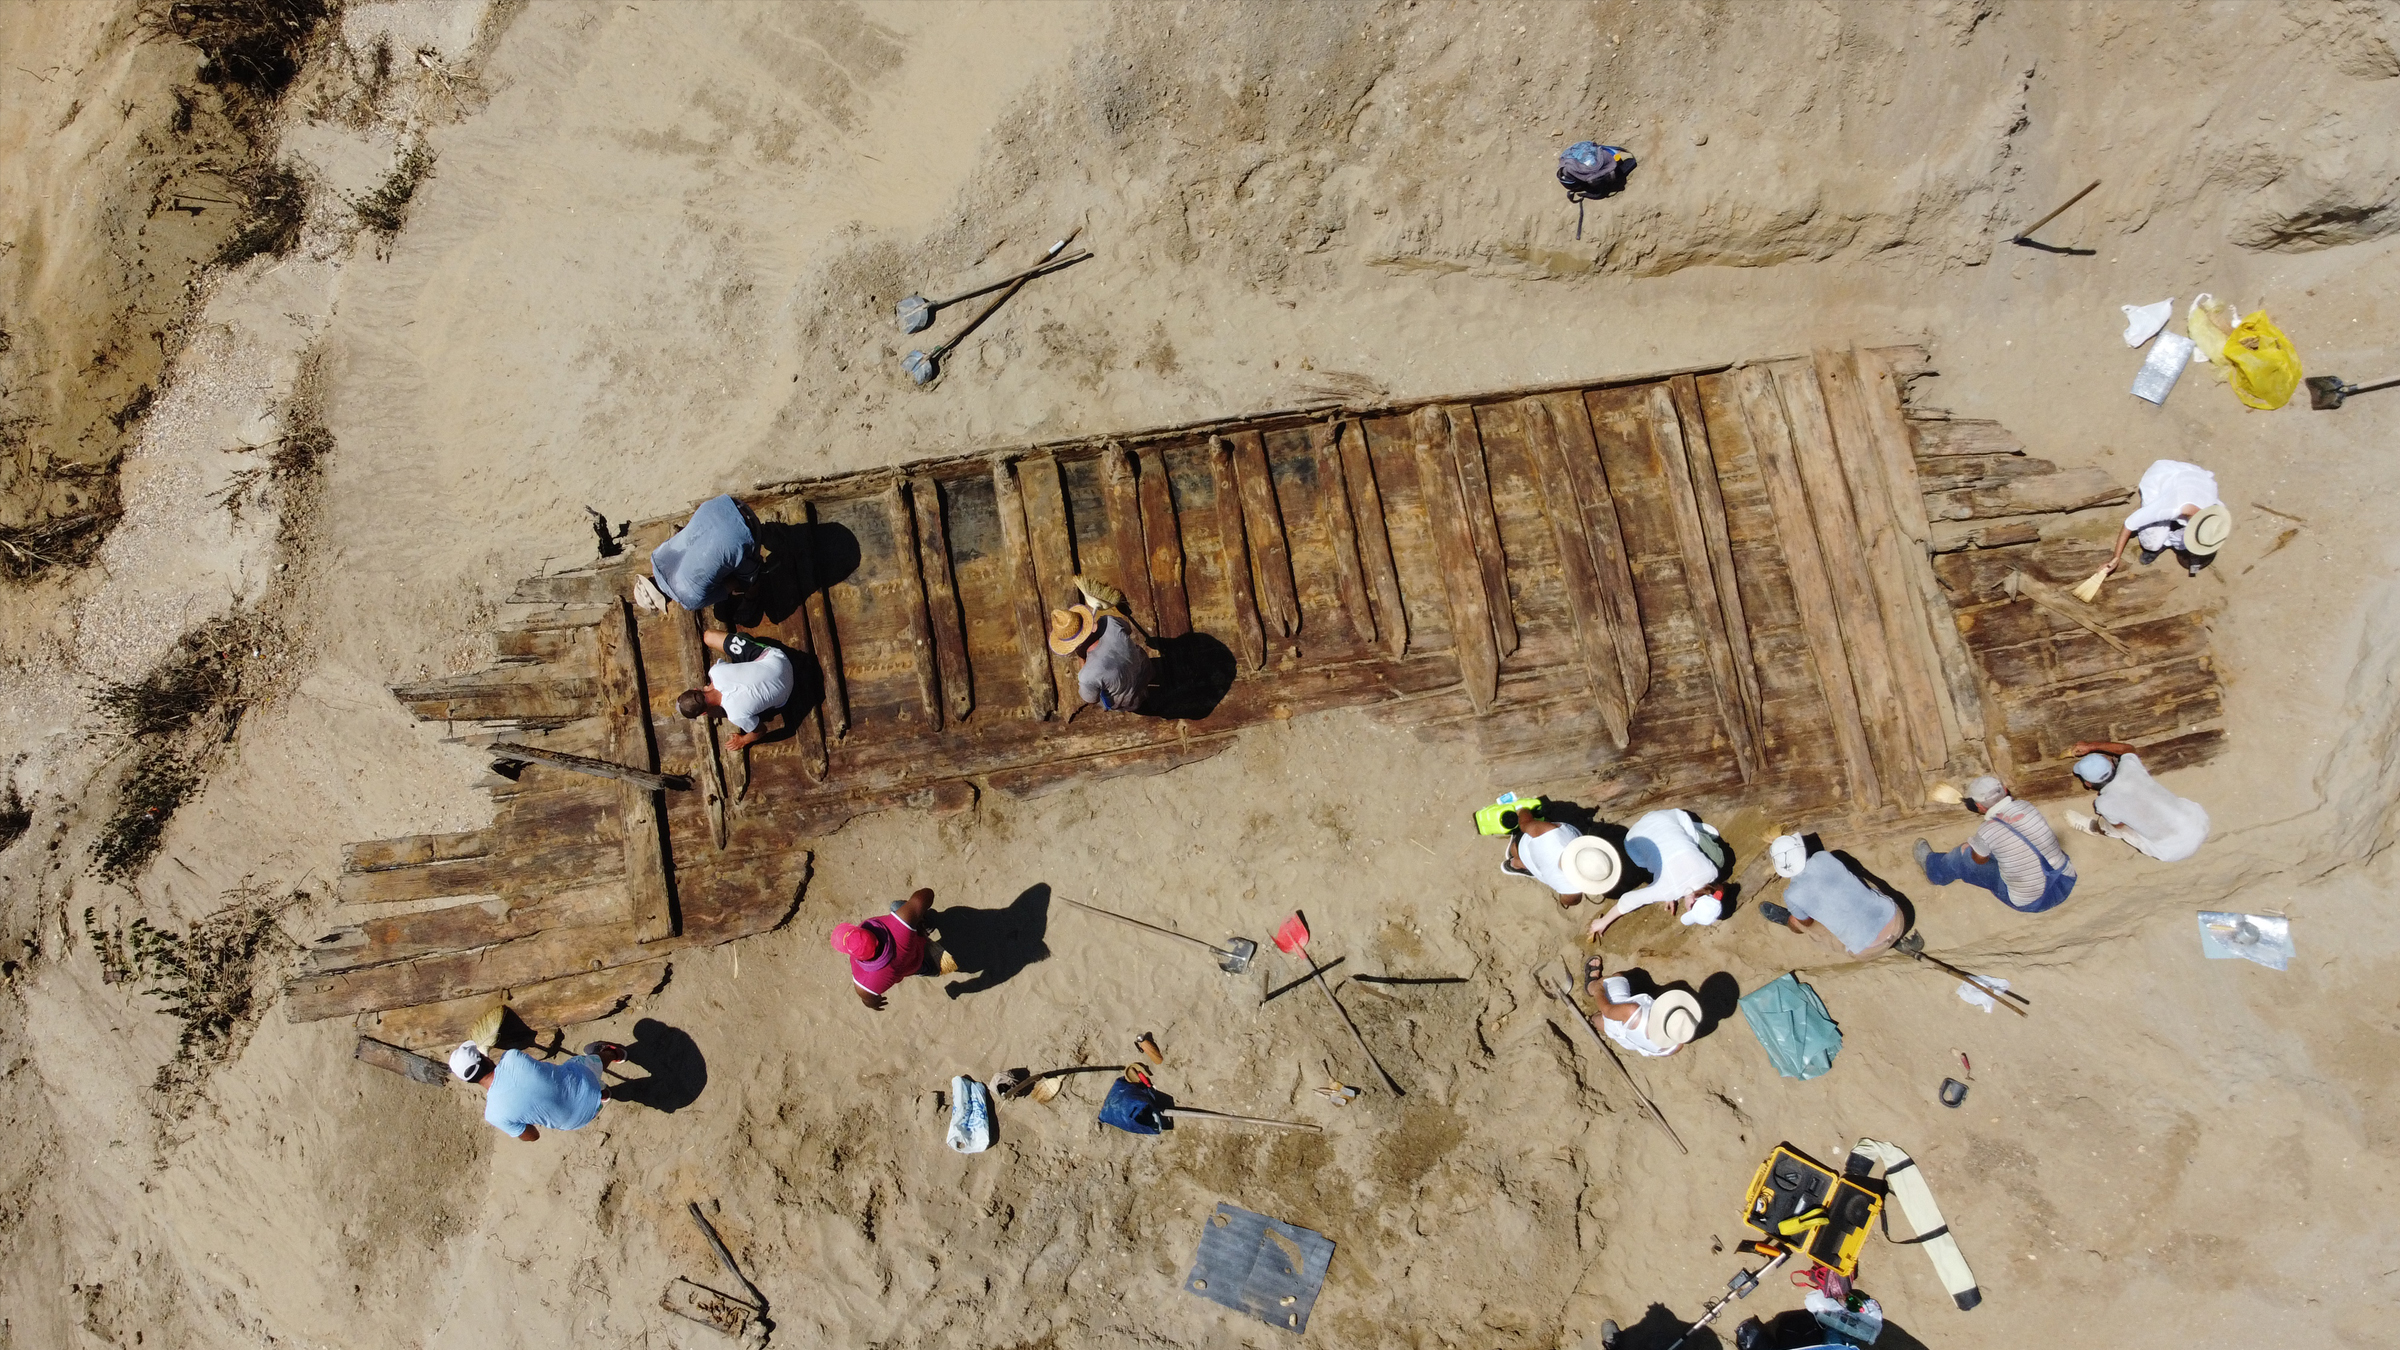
(1780, 584)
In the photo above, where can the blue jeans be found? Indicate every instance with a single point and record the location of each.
(1959, 865)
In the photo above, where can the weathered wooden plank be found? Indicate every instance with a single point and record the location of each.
(1233, 546)
(431, 979)
(1963, 436)
(1033, 650)
(1571, 414)
(1262, 526)
(808, 740)
(374, 855)
(1374, 540)
(500, 696)
(823, 814)
(541, 646)
(1162, 537)
(824, 638)
(1839, 539)
(690, 655)
(1587, 604)
(1462, 577)
(1121, 491)
(1952, 472)
(514, 872)
(568, 1001)
(1341, 528)
(2066, 490)
(565, 617)
(649, 896)
(569, 588)
(1681, 437)
(1483, 523)
(1038, 780)
(1053, 541)
(1770, 433)
(947, 624)
(1893, 560)
(455, 928)
(915, 602)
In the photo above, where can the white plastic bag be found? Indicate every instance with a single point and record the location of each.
(970, 1115)
(1976, 996)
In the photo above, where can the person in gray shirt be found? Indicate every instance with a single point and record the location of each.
(1823, 898)
(1115, 668)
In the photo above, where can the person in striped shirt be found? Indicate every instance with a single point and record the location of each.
(2013, 854)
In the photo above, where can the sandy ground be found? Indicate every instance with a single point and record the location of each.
(655, 259)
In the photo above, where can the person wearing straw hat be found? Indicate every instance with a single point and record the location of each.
(2013, 855)
(1656, 1025)
(1114, 666)
(2135, 807)
(1574, 865)
(1827, 901)
(886, 949)
(2180, 510)
(524, 1095)
(1684, 858)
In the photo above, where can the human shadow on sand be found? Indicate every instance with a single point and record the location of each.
(674, 1070)
(1660, 1327)
(1195, 672)
(992, 945)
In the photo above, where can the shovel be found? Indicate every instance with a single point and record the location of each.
(923, 366)
(916, 312)
(1293, 938)
(2326, 392)
(1233, 959)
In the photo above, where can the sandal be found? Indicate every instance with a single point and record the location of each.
(1591, 976)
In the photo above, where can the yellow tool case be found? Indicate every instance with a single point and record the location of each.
(1827, 1214)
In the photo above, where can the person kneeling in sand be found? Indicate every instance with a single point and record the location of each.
(1574, 865)
(1823, 898)
(1684, 859)
(1655, 1025)
(713, 556)
(886, 949)
(2013, 855)
(524, 1095)
(1114, 666)
(754, 679)
(2135, 807)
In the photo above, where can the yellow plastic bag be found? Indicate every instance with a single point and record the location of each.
(2265, 368)
(2207, 322)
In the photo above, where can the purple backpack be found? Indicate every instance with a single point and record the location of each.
(1588, 169)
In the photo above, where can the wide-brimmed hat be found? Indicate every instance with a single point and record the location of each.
(1071, 627)
(2207, 531)
(1589, 862)
(1673, 1020)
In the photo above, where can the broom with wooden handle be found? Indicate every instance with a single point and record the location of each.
(2088, 590)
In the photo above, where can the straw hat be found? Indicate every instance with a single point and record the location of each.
(1070, 627)
(2206, 532)
(1673, 1020)
(1591, 863)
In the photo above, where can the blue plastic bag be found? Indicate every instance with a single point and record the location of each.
(1133, 1108)
(1790, 1021)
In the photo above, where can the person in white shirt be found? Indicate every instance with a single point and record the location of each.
(2135, 807)
(1574, 865)
(1684, 859)
(1656, 1025)
(2180, 510)
(754, 679)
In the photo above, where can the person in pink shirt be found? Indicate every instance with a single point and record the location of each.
(886, 949)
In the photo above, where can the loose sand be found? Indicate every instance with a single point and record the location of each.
(655, 259)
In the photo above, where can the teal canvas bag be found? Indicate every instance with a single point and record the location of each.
(1790, 1021)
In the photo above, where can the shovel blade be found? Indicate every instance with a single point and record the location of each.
(1238, 952)
(1293, 935)
(2325, 392)
(916, 314)
(920, 367)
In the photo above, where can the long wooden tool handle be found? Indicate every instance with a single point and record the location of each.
(1319, 972)
(1002, 299)
(2005, 998)
(1043, 268)
(1139, 923)
(1193, 1113)
(709, 1231)
(1560, 991)
(2027, 232)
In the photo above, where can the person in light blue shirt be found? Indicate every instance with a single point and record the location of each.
(714, 555)
(1824, 899)
(524, 1095)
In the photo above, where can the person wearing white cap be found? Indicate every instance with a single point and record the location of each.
(524, 1095)
(2013, 855)
(1656, 1025)
(1684, 858)
(2180, 510)
(1823, 898)
(1574, 865)
(2135, 807)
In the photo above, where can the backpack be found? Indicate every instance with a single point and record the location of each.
(1588, 169)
